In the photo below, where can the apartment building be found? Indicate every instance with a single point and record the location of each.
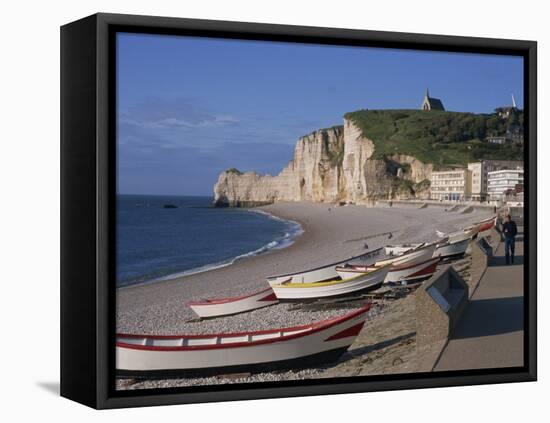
(501, 182)
(451, 185)
(480, 172)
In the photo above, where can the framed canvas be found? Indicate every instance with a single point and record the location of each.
(258, 211)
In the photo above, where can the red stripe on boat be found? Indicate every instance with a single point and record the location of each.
(352, 331)
(270, 297)
(314, 327)
(426, 271)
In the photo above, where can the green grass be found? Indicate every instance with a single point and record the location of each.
(441, 138)
(234, 170)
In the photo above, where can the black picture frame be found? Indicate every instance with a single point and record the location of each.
(88, 151)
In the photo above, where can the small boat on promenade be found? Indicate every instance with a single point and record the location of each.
(325, 272)
(333, 288)
(399, 273)
(284, 348)
(233, 305)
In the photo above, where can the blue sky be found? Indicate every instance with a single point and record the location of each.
(189, 108)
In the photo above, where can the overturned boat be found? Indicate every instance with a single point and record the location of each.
(233, 305)
(332, 288)
(325, 272)
(415, 272)
(255, 351)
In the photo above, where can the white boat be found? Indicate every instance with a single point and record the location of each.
(226, 306)
(444, 249)
(395, 250)
(452, 249)
(415, 255)
(399, 273)
(486, 224)
(182, 355)
(323, 273)
(332, 288)
(460, 235)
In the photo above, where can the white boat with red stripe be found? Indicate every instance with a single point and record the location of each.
(325, 272)
(398, 273)
(257, 351)
(486, 224)
(233, 305)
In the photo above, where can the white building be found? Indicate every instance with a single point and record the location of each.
(480, 173)
(450, 185)
(502, 181)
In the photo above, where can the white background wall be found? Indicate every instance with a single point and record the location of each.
(29, 238)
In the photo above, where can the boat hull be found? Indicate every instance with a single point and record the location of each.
(229, 306)
(293, 363)
(415, 256)
(452, 249)
(415, 272)
(324, 273)
(144, 356)
(396, 250)
(335, 288)
(461, 235)
(486, 225)
(403, 273)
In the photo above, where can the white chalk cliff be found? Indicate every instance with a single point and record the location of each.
(332, 165)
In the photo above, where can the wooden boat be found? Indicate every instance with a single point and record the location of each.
(460, 235)
(452, 248)
(399, 273)
(332, 288)
(185, 355)
(444, 249)
(395, 250)
(226, 306)
(415, 272)
(323, 273)
(486, 224)
(415, 255)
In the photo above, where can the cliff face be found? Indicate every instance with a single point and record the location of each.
(329, 165)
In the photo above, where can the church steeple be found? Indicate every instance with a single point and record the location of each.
(430, 103)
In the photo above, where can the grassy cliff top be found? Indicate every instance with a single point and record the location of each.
(438, 137)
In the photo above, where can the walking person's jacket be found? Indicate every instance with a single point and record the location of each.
(509, 229)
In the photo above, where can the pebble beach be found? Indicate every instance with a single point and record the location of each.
(330, 234)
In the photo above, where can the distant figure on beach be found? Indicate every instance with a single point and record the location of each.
(510, 230)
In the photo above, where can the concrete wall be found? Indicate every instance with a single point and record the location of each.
(440, 303)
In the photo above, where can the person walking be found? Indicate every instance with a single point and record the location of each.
(510, 230)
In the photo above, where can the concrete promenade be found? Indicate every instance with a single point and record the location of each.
(490, 332)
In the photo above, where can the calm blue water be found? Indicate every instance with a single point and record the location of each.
(154, 243)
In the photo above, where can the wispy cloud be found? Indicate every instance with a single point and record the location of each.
(173, 113)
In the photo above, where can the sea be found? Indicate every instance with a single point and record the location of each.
(156, 243)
